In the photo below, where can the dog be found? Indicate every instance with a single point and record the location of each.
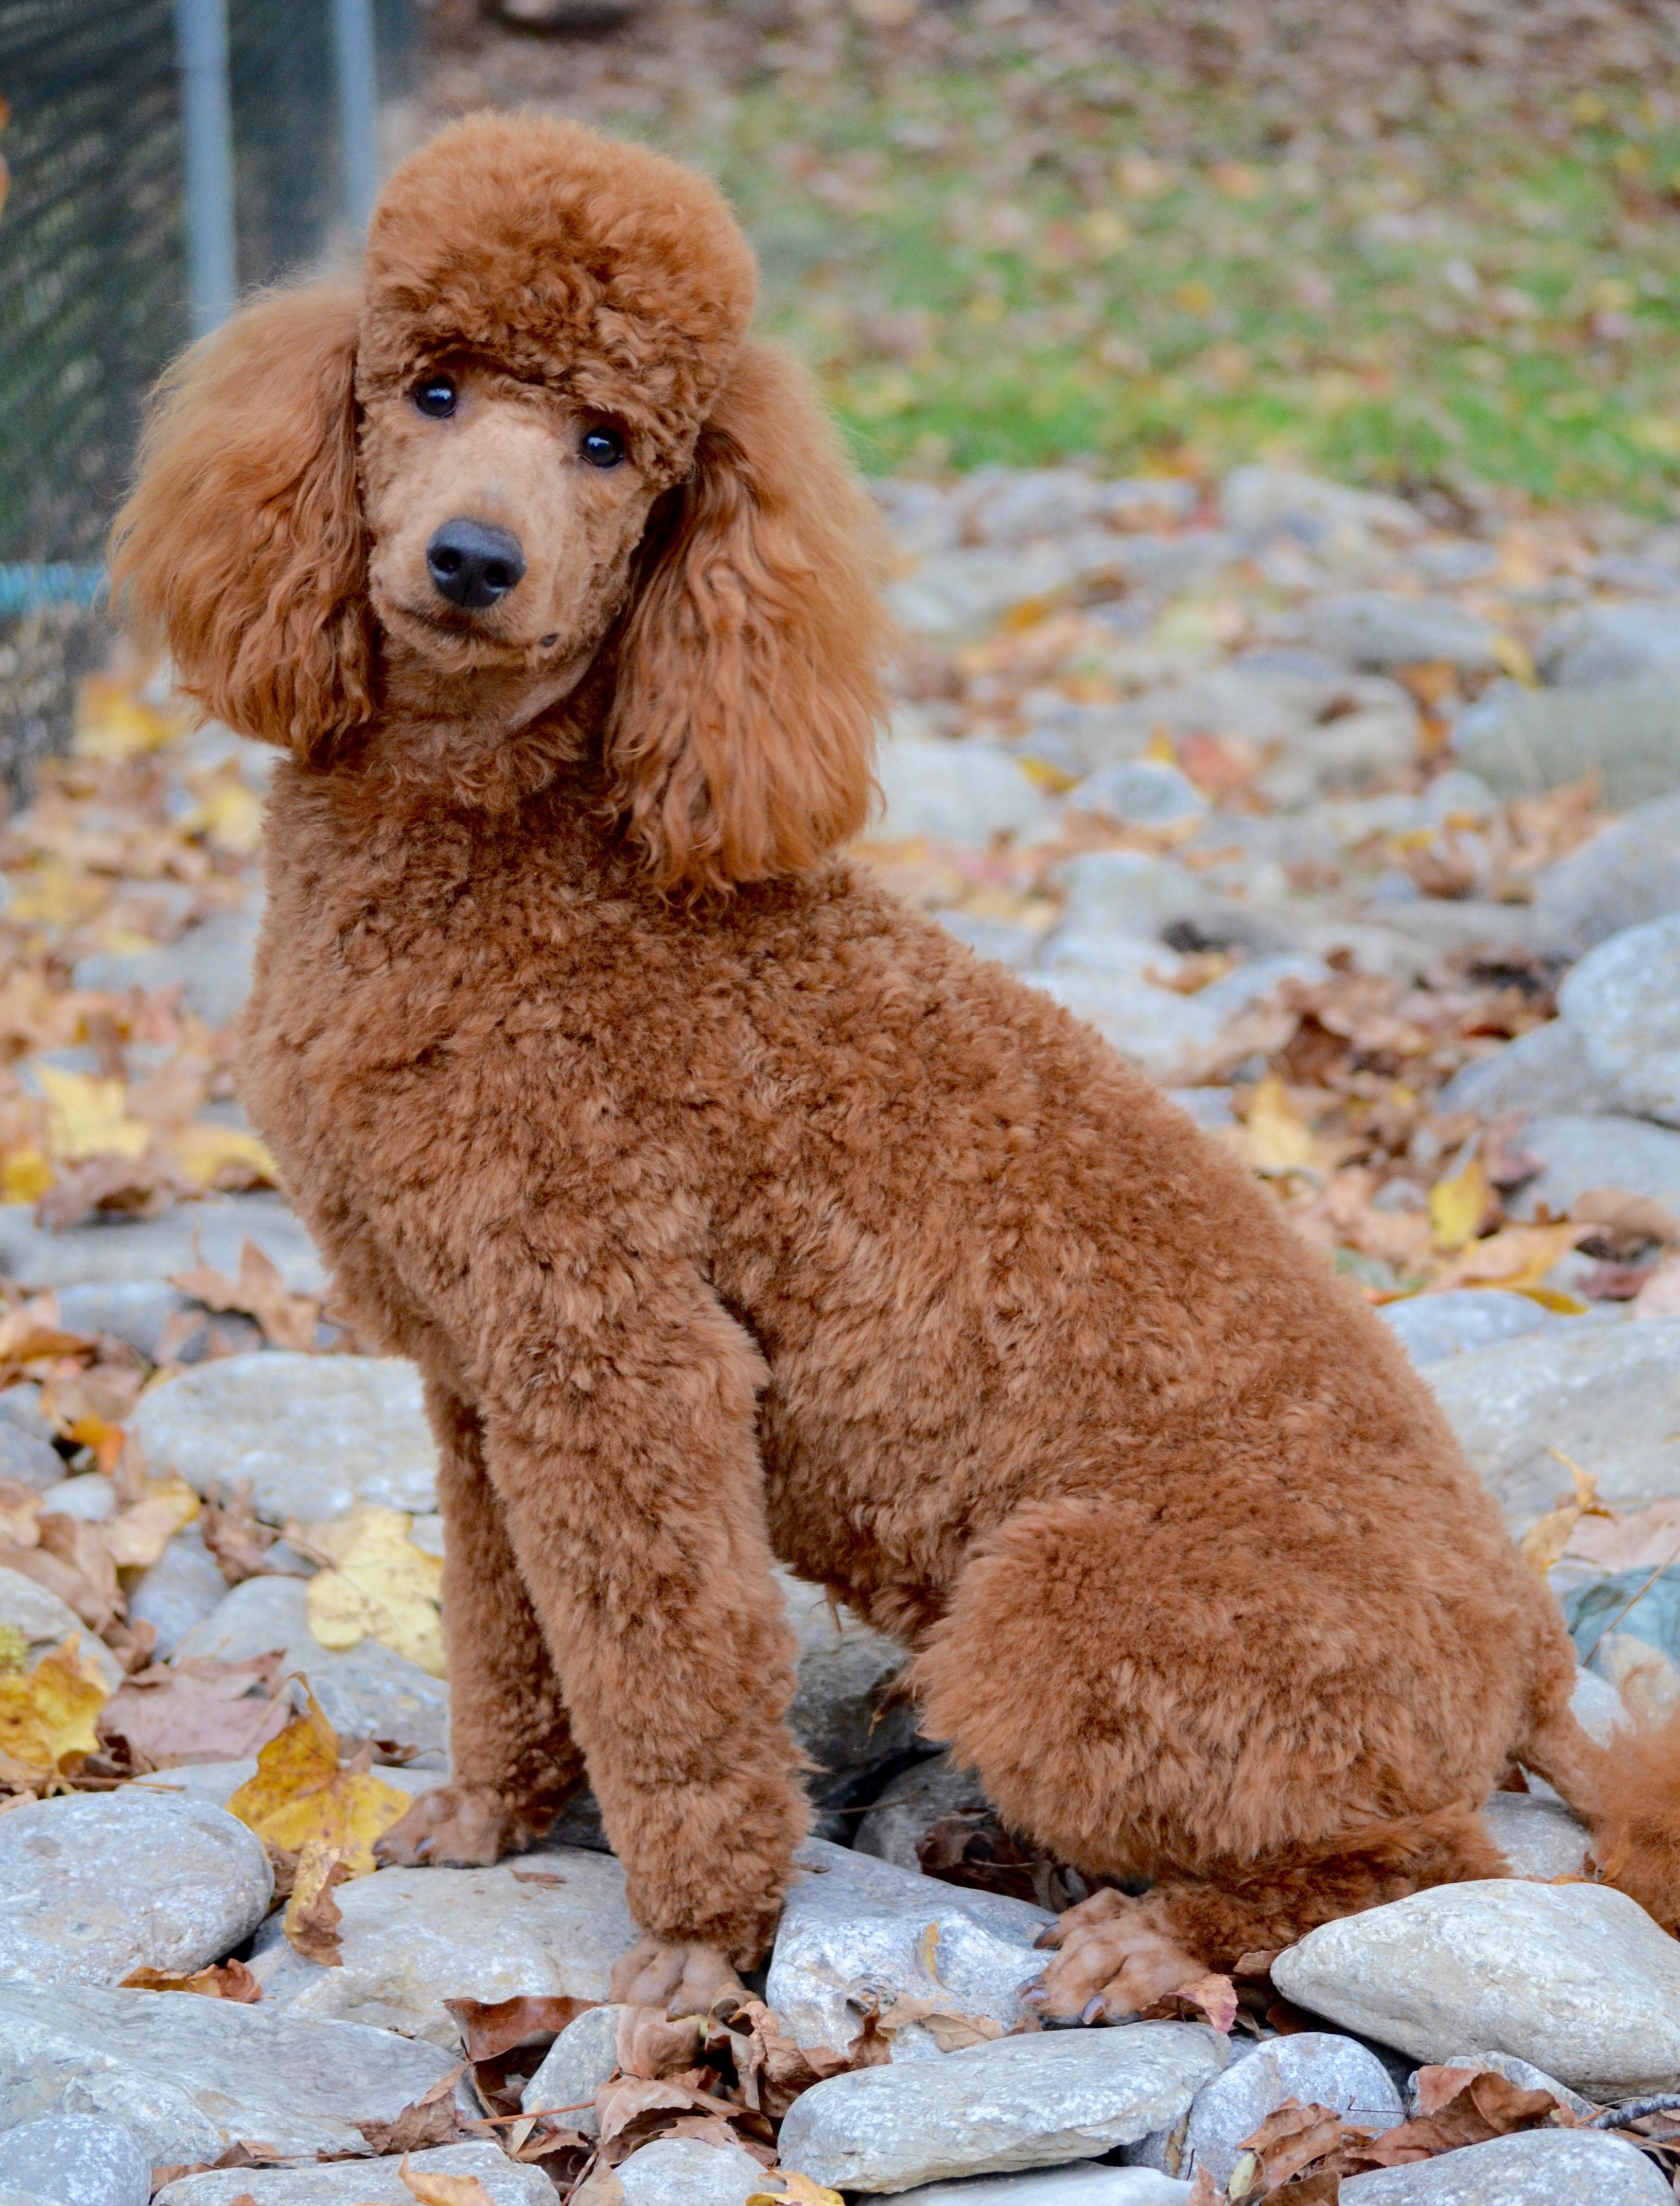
(732, 1210)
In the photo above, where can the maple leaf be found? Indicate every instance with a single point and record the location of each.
(195, 1710)
(222, 1157)
(47, 1715)
(86, 1117)
(1279, 1138)
(380, 1586)
(223, 1980)
(300, 1796)
(491, 2028)
(432, 2120)
(288, 1321)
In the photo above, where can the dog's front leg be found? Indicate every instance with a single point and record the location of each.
(621, 1444)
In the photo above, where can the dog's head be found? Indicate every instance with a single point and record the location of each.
(533, 458)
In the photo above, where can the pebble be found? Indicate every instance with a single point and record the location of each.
(190, 2077)
(89, 1497)
(79, 2160)
(1535, 2167)
(210, 964)
(1315, 2067)
(46, 1623)
(1378, 629)
(1596, 1149)
(413, 1937)
(363, 2182)
(1430, 1326)
(1140, 793)
(134, 1310)
(1018, 2104)
(95, 1885)
(853, 1928)
(31, 1462)
(1625, 876)
(689, 2172)
(1640, 1607)
(844, 1714)
(153, 1248)
(1080, 2184)
(580, 2061)
(1605, 644)
(183, 1587)
(21, 1411)
(313, 1435)
(958, 792)
(958, 594)
(1624, 1001)
(1523, 740)
(1518, 1404)
(1575, 1977)
(366, 1691)
(1259, 498)
(1539, 1837)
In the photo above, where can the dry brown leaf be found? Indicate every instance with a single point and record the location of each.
(69, 1558)
(1456, 2107)
(238, 1541)
(432, 2120)
(950, 2032)
(312, 1915)
(288, 1321)
(196, 1710)
(1639, 1216)
(112, 1186)
(435, 2189)
(773, 2069)
(222, 1980)
(1544, 1542)
(601, 2187)
(490, 2028)
(1633, 1539)
(797, 2190)
(136, 1537)
(652, 2046)
(1209, 1999)
(1289, 2143)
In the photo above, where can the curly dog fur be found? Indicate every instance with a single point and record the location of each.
(732, 1210)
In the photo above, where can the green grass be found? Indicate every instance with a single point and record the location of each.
(1021, 268)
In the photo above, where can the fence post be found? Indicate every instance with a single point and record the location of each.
(358, 108)
(212, 271)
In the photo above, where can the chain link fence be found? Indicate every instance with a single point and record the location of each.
(93, 277)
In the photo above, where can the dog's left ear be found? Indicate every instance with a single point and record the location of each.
(741, 738)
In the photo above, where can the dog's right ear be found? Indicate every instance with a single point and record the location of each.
(241, 547)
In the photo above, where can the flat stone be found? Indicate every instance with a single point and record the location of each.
(29, 1461)
(88, 1497)
(1543, 1069)
(46, 1623)
(1626, 875)
(960, 593)
(1523, 740)
(1603, 645)
(1017, 2104)
(1013, 504)
(689, 2172)
(1575, 1977)
(1379, 629)
(210, 964)
(908, 1804)
(580, 2061)
(1514, 1404)
(363, 2182)
(78, 2159)
(152, 1248)
(413, 1937)
(1430, 1326)
(134, 1310)
(190, 2076)
(957, 792)
(1316, 2067)
(183, 1587)
(1127, 892)
(1539, 1837)
(95, 1885)
(856, 1929)
(313, 1435)
(1140, 793)
(1080, 2184)
(367, 1692)
(1592, 1149)
(1536, 2167)
(1624, 1001)
(844, 1714)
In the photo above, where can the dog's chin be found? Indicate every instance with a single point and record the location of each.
(456, 644)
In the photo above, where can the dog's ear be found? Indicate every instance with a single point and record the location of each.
(241, 545)
(741, 737)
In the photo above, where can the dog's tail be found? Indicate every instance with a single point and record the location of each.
(1628, 1793)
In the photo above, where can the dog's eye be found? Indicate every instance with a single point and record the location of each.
(602, 448)
(436, 397)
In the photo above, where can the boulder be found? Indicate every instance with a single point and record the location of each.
(313, 1435)
(856, 1929)
(95, 1885)
(907, 1804)
(192, 2077)
(1575, 1977)
(1536, 2167)
(1516, 1406)
(27, 1459)
(1624, 1001)
(1140, 793)
(844, 1713)
(1521, 741)
(689, 2172)
(363, 2182)
(551, 1923)
(183, 1587)
(1315, 2067)
(133, 1310)
(1018, 2104)
(152, 1248)
(1625, 876)
(1592, 1149)
(80, 2160)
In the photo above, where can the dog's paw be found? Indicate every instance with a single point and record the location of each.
(681, 1979)
(456, 1827)
(1113, 1958)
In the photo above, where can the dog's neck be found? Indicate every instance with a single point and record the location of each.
(489, 735)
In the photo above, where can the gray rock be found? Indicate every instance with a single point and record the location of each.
(1575, 1977)
(1522, 2073)
(1258, 499)
(366, 1690)
(183, 1587)
(1625, 876)
(21, 1411)
(77, 2159)
(1161, 1033)
(151, 1249)
(190, 2077)
(1624, 1001)
(580, 2061)
(1512, 1405)
(89, 1498)
(94, 1884)
(689, 2172)
(999, 938)
(843, 1713)
(1017, 2104)
(1316, 2067)
(1081, 2184)
(1638, 1606)
(1539, 1837)
(908, 1804)
(363, 2182)
(1433, 1325)
(413, 1937)
(31, 1462)
(1082, 739)
(1140, 793)
(1456, 795)
(211, 964)
(960, 792)
(1378, 629)
(958, 594)
(1017, 503)
(313, 1435)
(1543, 1069)
(11, 2196)
(46, 1622)
(1537, 2168)
(1596, 1149)
(1523, 740)
(1601, 646)
(1598, 1708)
(855, 1928)
(1127, 892)
(134, 1310)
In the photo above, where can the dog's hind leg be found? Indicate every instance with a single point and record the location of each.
(1149, 1698)
(515, 1762)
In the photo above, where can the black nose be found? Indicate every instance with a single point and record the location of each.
(473, 564)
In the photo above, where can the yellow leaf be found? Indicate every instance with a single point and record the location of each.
(1542, 1544)
(300, 1795)
(443, 2190)
(231, 819)
(1517, 1258)
(1457, 1206)
(202, 1149)
(1554, 1298)
(85, 1117)
(1512, 654)
(798, 2190)
(48, 1716)
(113, 723)
(1279, 1139)
(25, 1176)
(384, 1588)
(136, 1537)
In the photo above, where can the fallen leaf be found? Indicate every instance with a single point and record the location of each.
(950, 2032)
(312, 1915)
(434, 2190)
(226, 1158)
(1288, 2143)
(1618, 1212)
(236, 1537)
(1638, 1539)
(300, 1797)
(288, 1321)
(69, 1557)
(87, 1117)
(432, 2120)
(653, 2045)
(1544, 1543)
(1279, 1138)
(545, 1877)
(797, 2190)
(490, 2028)
(601, 2187)
(47, 1715)
(382, 1588)
(116, 1184)
(135, 1538)
(773, 2069)
(222, 1980)
(196, 1710)
(1459, 1205)
(1456, 2107)
(1210, 1999)
(1518, 1257)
